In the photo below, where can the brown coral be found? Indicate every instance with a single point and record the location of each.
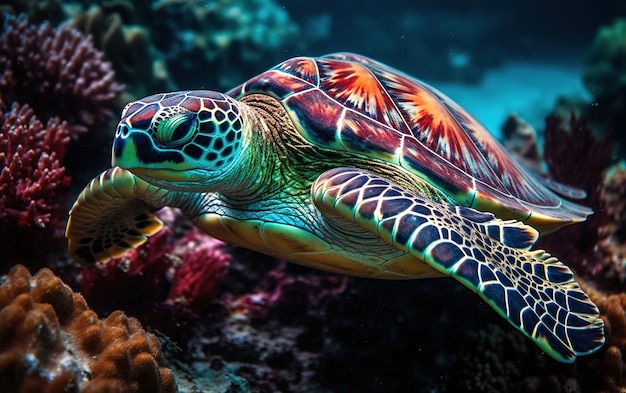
(575, 156)
(610, 366)
(50, 341)
(57, 71)
(613, 246)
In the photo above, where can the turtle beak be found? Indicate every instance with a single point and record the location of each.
(134, 149)
(124, 153)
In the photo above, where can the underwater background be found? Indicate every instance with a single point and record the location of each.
(189, 313)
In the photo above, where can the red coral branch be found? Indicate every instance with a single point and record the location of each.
(204, 265)
(32, 180)
(138, 279)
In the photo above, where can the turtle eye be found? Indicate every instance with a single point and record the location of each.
(176, 130)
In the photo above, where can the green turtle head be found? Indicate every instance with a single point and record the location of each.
(187, 137)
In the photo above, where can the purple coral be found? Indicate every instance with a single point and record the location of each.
(57, 71)
(576, 157)
(284, 292)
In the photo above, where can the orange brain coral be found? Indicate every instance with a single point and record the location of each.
(50, 341)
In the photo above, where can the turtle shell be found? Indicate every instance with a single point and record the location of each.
(349, 102)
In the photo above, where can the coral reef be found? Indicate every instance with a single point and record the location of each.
(202, 41)
(127, 45)
(161, 45)
(612, 247)
(236, 312)
(32, 178)
(609, 364)
(57, 71)
(202, 268)
(271, 333)
(51, 341)
(33, 183)
(604, 76)
(576, 157)
(520, 140)
(234, 315)
(605, 71)
(53, 85)
(166, 282)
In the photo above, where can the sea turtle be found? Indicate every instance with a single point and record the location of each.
(345, 164)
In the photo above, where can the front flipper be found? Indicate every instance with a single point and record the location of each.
(112, 215)
(534, 291)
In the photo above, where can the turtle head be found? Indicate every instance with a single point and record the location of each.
(187, 138)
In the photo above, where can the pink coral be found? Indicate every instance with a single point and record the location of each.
(204, 265)
(138, 279)
(165, 282)
(33, 184)
(32, 181)
(57, 71)
(186, 271)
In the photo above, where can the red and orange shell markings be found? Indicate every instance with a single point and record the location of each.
(304, 68)
(440, 125)
(388, 115)
(356, 87)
